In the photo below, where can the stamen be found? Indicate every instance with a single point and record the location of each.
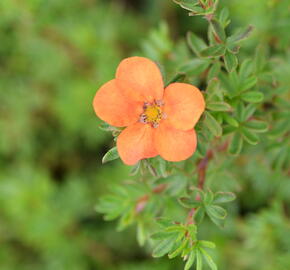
(143, 119)
(159, 102)
(155, 124)
(146, 104)
(152, 113)
(164, 115)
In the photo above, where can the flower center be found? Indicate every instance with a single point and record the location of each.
(152, 113)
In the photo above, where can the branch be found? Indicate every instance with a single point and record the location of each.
(202, 166)
(142, 201)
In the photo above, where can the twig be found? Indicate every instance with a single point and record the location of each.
(202, 166)
(142, 201)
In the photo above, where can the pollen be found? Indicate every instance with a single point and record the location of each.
(152, 113)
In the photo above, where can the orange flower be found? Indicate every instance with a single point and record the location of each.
(158, 121)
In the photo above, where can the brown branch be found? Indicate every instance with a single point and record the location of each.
(202, 166)
(142, 201)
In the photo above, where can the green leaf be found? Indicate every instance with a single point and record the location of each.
(250, 136)
(198, 260)
(212, 124)
(112, 154)
(189, 5)
(248, 111)
(199, 215)
(178, 250)
(214, 71)
(236, 144)
(189, 202)
(213, 51)
(228, 129)
(217, 221)
(175, 228)
(195, 43)
(231, 61)
(141, 234)
(212, 88)
(164, 222)
(246, 69)
(190, 260)
(208, 197)
(256, 125)
(163, 247)
(194, 67)
(218, 30)
(224, 197)
(135, 169)
(208, 259)
(179, 77)
(218, 106)
(260, 59)
(240, 111)
(241, 35)
(248, 83)
(216, 211)
(230, 120)
(107, 127)
(224, 17)
(253, 96)
(162, 235)
(207, 244)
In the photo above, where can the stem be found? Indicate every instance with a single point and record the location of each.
(142, 201)
(202, 166)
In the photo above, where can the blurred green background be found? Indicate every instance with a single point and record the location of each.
(53, 57)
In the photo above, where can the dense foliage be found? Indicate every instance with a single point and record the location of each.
(227, 206)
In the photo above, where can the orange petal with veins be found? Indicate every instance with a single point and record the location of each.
(114, 107)
(135, 143)
(184, 104)
(173, 144)
(140, 78)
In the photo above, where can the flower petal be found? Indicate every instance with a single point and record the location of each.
(184, 104)
(173, 144)
(141, 77)
(136, 143)
(113, 107)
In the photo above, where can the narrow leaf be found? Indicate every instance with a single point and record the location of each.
(241, 35)
(163, 247)
(257, 126)
(231, 61)
(189, 202)
(178, 250)
(195, 66)
(250, 136)
(179, 77)
(253, 96)
(218, 106)
(207, 244)
(213, 51)
(190, 260)
(112, 154)
(224, 197)
(216, 211)
(248, 83)
(208, 259)
(213, 125)
(230, 120)
(141, 234)
(236, 144)
(218, 30)
(199, 215)
(195, 43)
(198, 260)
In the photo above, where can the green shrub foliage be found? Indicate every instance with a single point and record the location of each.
(227, 207)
